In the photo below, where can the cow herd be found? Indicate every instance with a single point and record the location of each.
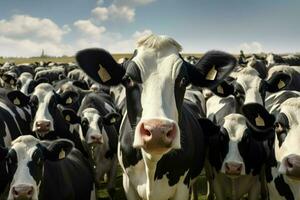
(162, 118)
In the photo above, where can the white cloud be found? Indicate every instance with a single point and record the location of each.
(114, 12)
(88, 29)
(25, 26)
(252, 47)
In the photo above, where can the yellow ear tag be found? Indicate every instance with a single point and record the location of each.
(17, 101)
(220, 89)
(69, 100)
(281, 84)
(62, 154)
(68, 118)
(113, 120)
(103, 74)
(259, 121)
(11, 81)
(211, 75)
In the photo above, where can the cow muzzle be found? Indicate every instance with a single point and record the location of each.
(22, 192)
(42, 127)
(96, 139)
(156, 135)
(291, 163)
(233, 169)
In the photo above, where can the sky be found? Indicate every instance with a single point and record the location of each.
(62, 27)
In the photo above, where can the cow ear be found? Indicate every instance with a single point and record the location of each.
(68, 98)
(259, 120)
(111, 118)
(278, 81)
(211, 69)
(57, 150)
(3, 153)
(224, 89)
(100, 66)
(70, 116)
(209, 128)
(18, 98)
(81, 84)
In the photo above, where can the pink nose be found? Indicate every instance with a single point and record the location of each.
(232, 168)
(292, 164)
(157, 134)
(43, 126)
(22, 191)
(96, 139)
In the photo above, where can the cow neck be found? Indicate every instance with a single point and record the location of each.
(150, 162)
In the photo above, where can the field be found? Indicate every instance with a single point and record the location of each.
(64, 59)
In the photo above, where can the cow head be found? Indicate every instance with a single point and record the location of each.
(234, 151)
(155, 81)
(285, 131)
(91, 129)
(26, 84)
(248, 87)
(43, 102)
(25, 164)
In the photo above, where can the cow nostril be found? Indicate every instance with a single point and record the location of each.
(15, 192)
(288, 163)
(30, 192)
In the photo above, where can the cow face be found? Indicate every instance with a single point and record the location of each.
(286, 132)
(91, 129)
(43, 102)
(25, 164)
(26, 84)
(234, 151)
(248, 87)
(155, 81)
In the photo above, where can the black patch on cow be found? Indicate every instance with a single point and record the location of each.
(133, 72)
(36, 165)
(283, 188)
(12, 162)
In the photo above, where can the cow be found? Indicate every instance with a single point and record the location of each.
(94, 121)
(52, 74)
(47, 121)
(161, 144)
(26, 84)
(46, 170)
(282, 167)
(274, 59)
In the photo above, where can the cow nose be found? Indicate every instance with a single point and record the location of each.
(43, 125)
(97, 139)
(292, 164)
(22, 191)
(233, 168)
(158, 133)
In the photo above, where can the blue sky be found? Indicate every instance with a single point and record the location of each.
(61, 27)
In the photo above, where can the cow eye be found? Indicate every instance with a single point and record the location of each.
(127, 81)
(279, 128)
(37, 157)
(84, 123)
(34, 101)
(19, 84)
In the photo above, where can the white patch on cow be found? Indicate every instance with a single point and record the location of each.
(235, 125)
(7, 137)
(249, 79)
(21, 113)
(44, 93)
(216, 103)
(25, 79)
(159, 63)
(290, 108)
(24, 147)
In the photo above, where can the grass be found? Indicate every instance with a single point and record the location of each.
(64, 59)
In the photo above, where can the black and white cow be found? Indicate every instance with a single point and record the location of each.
(95, 118)
(26, 83)
(283, 168)
(274, 59)
(161, 146)
(235, 158)
(52, 74)
(47, 120)
(46, 170)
